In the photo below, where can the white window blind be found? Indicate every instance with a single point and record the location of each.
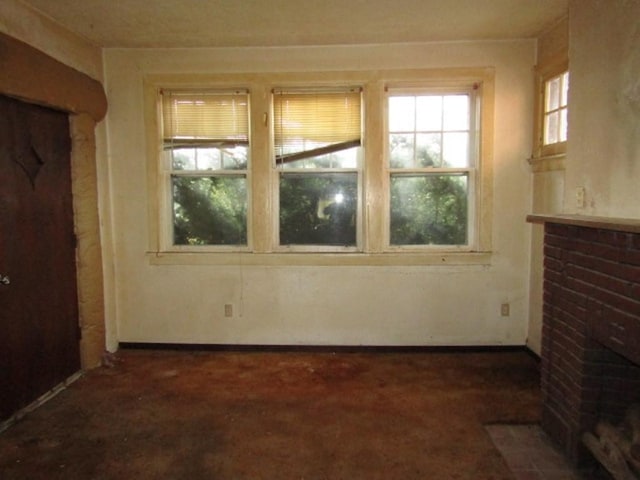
(308, 123)
(205, 118)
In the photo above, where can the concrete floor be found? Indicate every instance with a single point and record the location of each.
(532, 455)
(265, 415)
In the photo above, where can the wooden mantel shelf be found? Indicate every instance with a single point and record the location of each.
(629, 225)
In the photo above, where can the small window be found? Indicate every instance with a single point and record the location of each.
(206, 155)
(556, 93)
(431, 164)
(317, 150)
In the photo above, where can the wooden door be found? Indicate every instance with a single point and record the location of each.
(39, 333)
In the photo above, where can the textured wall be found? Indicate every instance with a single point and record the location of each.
(604, 107)
(282, 303)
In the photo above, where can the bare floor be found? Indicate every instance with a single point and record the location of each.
(265, 415)
(532, 456)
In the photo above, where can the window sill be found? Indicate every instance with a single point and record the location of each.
(320, 259)
(547, 163)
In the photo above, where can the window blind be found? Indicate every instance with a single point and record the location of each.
(205, 118)
(311, 123)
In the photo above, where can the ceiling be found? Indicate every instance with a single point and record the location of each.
(239, 23)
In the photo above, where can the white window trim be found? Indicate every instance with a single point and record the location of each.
(546, 157)
(372, 242)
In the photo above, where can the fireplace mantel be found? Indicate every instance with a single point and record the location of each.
(629, 225)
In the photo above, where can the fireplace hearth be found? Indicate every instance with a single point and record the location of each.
(590, 355)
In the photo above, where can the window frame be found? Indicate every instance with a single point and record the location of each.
(170, 173)
(279, 172)
(471, 170)
(373, 250)
(545, 73)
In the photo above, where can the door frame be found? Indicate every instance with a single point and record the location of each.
(84, 100)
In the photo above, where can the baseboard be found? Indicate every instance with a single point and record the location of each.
(323, 348)
(41, 400)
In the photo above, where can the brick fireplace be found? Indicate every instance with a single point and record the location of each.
(590, 354)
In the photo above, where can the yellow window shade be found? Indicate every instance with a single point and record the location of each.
(197, 117)
(315, 122)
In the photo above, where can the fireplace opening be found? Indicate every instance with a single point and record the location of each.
(611, 433)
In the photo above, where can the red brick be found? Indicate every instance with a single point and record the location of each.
(551, 251)
(553, 265)
(599, 250)
(618, 302)
(615, 269)
(608, 282)
(578, 258)
(553, 277)
(610, 237)
(631, 257)
(565, 294)
(557, 229)
(565, 243)
(578, 286)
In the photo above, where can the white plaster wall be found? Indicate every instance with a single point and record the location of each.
(548, 196)
(338, 305)
(604, 113)
(547, 185)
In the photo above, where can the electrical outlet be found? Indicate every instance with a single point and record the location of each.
(580, 194)
(228, 310)
(504, 309)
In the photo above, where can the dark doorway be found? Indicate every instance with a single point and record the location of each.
(38, 298)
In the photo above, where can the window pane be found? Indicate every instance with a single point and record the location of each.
(456, 112)
(402, 114)
(551, 128)
(341, 159)
(429, 113)
(208, 159)
(455, 150)
(563, 125)
(553, 94)
(428, 149)
(318, 209)
(209, 210)
(234, 158)
(429, 209)
(401, 151)
(231, 158)
(564, 98)
(183, 158)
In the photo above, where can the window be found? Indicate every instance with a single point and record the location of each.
(431, 165)
(317, 151)
(551, 113)
(556, 92)
(206, 154)
(389, 167)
